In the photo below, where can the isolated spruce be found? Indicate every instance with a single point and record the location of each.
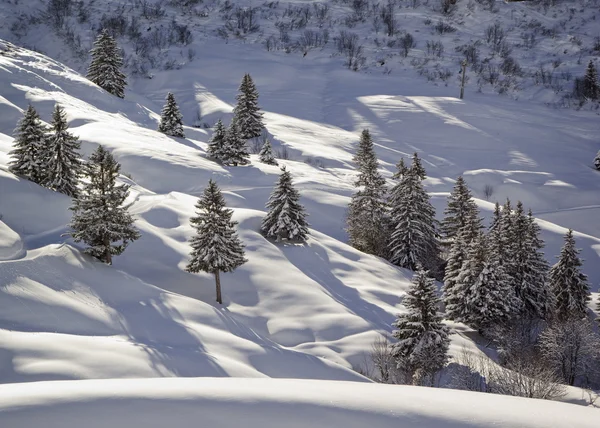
(171, 120)
(286, 217)
(461, 212)
(61, 159)
(29, 144)
(591, 87)
(247, 112)
(568, 284)
(366, 217)
(216, 143)
(99, 217)
(105, 68)
(412, 224)
(235, 151)
(266, 154)
(422, 337)
(215, 247)
(597, 161)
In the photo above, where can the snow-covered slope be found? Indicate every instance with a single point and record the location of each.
(257, 403)
(307, 310)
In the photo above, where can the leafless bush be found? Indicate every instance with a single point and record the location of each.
(447, 6)
(388, 18)
(242, 20)
(407, 42)
(321, 11)
(470, 51)
(488, 191)
(528, 40)
(494, 34)
(58, 10)
(489, 74)
(434, 49)
(180, 34)
(511, 67)
(151, 10)
(283, 153)
(347, 43)
(543, 76)
(442, 27)
(312, 39)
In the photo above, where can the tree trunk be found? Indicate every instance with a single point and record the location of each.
(218, 282)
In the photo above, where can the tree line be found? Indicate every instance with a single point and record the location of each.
(496, 280)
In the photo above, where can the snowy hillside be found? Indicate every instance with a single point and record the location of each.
(257, 403)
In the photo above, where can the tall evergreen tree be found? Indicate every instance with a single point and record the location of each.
(216, 144)
(215, 247)
(171, 120)
(365, 222)
(453, 293)
(105, 68)
(568, 284)
(461, 213)
(417, 167)
(401, 169)
(235, 151)
(247, 111)
(266, 154)
(286, 217)
(413, 234)
(501, 235)
(99, 217)
(61, 161)
(591, 88)
(30, 139)
(422, 337)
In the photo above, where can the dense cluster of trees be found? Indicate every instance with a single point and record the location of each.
(496, 280)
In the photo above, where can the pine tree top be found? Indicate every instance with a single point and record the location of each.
(417, 167)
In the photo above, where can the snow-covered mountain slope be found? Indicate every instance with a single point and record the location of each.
(307, 310)
(257, 403)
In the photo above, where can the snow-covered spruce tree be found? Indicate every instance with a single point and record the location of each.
(568, 284)
(491, 301)
(30, 139)
(597, 161)
(417, 167)
(591, 88)
(401, 169)
(61, 161)
(216, 144)
(366, 217)
(453, 293)
(99, 217)
(235, 151)
(216, 246)
(286, 217)
(501, 235)
(247, 112)
(412, 224)
(266, 154)
(105, 68)
(171, 120)
(422, 346)
(461, 212)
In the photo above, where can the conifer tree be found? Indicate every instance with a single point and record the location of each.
(417, 167)
(422, 337)
(105, 68)
(216, 145)
(597, 161)
(453, 294)
(99, 217)
(591, 89)
(29, 144)
(568, 284)
(365, 222)
(171, 120)
(215, 247)
(247, 112)
(413, 234)
(401, 169)
(266, 154)
(286, 217)
(61, 161)
(501, 235)
(235, 151)
(461, 213)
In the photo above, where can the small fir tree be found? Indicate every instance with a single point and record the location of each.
(461, 212)
(417, 167)
(99, 217)
(215, 247)
(412, 224)
(591, 89)
(597, 161)
(422, 337)
(171, 120)
(266, 154)
(29, 144)
(61, 161)
(401, 169)
(216, 145)
(568, 284)
(105, 68)
(235, 151)
(247, 112)
(286, 217)
(366, 218)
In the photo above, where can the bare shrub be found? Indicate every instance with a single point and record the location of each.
(488, 191)
(283, 153)
(434, 49)
(347, 43)
(442, 28)
(407, 42)
(388, 18)
(447, 6)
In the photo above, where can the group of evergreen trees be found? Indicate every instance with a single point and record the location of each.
(492, 279)
(48, 156)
